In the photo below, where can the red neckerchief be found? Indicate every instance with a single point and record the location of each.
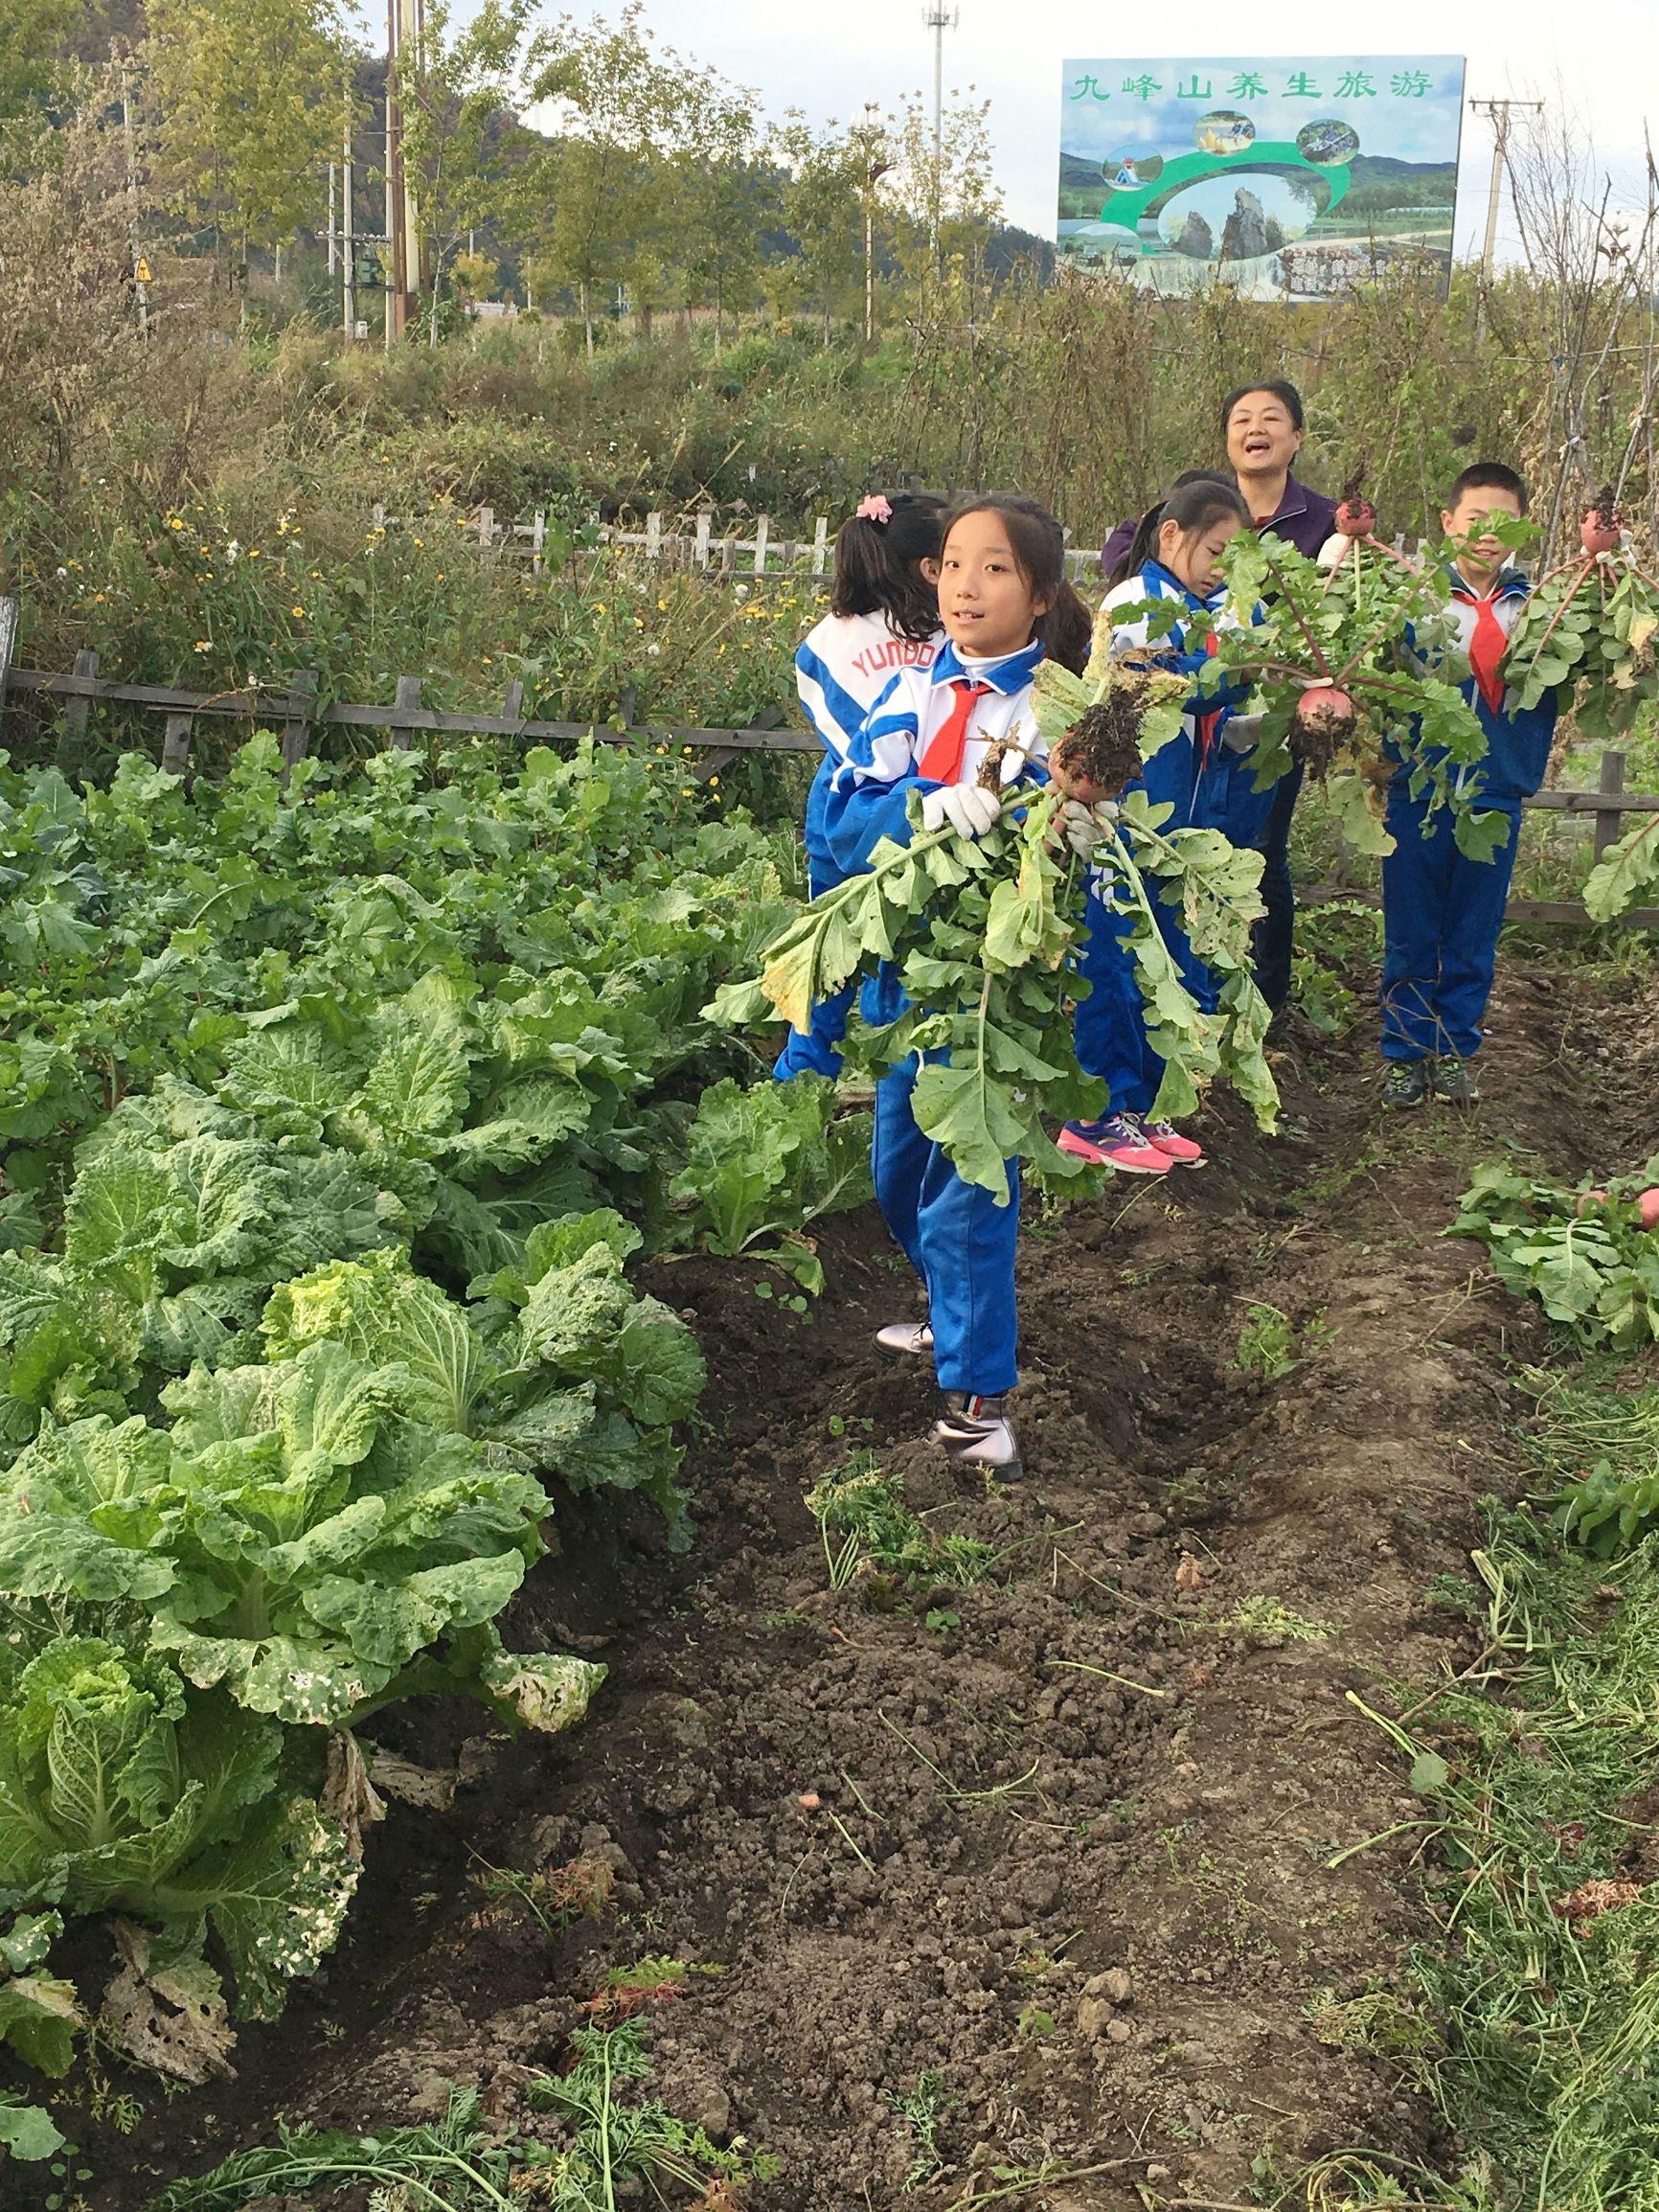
(941, 760)
(1489, 644)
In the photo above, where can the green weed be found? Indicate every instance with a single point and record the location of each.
(922, 2108)
(864, 1522)
(1271, 1345)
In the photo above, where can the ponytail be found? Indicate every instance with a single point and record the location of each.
(879, 556)
(1197, 498)
(1140, 547)
(1067, 630)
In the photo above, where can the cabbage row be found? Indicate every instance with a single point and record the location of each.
(334, 1121)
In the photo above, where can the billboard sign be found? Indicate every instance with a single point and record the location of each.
(1291, 179)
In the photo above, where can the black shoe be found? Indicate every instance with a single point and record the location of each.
(975, 1432)
(1455, 1082)
(1406, 1083)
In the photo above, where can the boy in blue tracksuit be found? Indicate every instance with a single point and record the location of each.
(1203, 775)
(1442, 912)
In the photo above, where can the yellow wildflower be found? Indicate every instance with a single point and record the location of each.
(298, 613)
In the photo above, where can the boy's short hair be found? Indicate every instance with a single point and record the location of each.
(1487, 477)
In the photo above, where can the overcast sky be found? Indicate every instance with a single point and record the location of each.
(1602, 58)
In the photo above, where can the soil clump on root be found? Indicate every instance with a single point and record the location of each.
(1047, 1857)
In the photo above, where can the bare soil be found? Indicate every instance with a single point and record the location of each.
(1072, 1852)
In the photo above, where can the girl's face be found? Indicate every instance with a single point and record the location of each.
(985, 602)
(1261, 438)
(1195, 555)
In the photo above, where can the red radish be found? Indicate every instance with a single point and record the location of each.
(1648, 1204)
(1589, 1198)
(1356, 517)
(1326, 711)
(1602, 530)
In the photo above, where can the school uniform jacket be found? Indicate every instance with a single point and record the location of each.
(842, 668)
(1193, 773)
(1517, 741)
(870, 790)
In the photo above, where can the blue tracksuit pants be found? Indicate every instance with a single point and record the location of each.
(817, 1049)
(956, 1237)
(1110, 1025)
(1111, 1022)
(1441, 917)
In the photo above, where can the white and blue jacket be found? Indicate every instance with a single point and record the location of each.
(1517, 741)
(869, 791)
(842, 668)
(1195, 772)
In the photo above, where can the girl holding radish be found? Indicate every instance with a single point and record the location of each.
(1004, 603)
(1262, 428)
(1174, 560)
(884, 617)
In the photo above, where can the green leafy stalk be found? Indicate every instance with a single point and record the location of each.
(981, 933)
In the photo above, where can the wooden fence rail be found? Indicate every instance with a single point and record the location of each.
(295, 714)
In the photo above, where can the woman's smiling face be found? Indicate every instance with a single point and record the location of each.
(1262, 436)
(985, 602)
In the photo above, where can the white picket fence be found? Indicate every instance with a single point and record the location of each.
(667, 542)
(686, 542)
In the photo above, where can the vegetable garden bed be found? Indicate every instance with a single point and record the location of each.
(1039, 1879)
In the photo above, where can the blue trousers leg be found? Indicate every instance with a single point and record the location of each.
(1199, 980)
(1274, 934)
(1110, 1027)
(1416, 887)
(817, 1049)
(1476, 893)
(960, 1242)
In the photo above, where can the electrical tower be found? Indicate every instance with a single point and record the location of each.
(938, 21)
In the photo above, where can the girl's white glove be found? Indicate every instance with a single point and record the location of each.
(1085, 827)
(1239, 732)
(969, 811)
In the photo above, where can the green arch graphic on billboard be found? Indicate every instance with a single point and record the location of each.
(1126, 206)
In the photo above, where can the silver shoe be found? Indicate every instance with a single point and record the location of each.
(905, 1339)
(976, 1433)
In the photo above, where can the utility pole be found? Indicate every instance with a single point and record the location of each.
(1499, 111)
(348, 231)
(140, 264)
(938, 21)
(871, 139)
(395, 301)
(333, 225)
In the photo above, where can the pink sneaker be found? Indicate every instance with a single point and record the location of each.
(1114, 1141)
(1169, 1140)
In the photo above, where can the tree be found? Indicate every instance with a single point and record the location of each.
(249, 109)
(619, 109)
(822, 211)
(36, 39)
(968, 205)
(459, 133)
(720, 198)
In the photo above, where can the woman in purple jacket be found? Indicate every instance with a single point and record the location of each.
(1263, 426)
